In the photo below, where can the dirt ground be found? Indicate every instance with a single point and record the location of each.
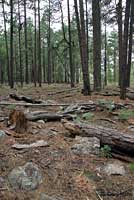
(65, 175)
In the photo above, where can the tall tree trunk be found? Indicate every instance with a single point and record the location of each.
(87, 32)
(105, 58)
(114, 64)
(119, 20)
(44, 64)
(53, 65)
(96, 44)
(20, 51)
(49, 71)
(11, 45)
(124, 51)
(35, 47)
(131, 31)
(39, 47)
(26, 48)
(15, 61)
(83, 45)
(6, 41)
(72, 73)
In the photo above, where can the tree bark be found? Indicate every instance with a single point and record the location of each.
(72, 73)
(11, 45)
(114, 64)
(39, 48)
(20, 50)
(49, 71)
(131, 31)
(124, 51)
(6, 41)
(96, 44)
(26, 48)
(35, 47)
(83, 45)
(105, 58)
(119, 20)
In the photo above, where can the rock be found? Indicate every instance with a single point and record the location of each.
(41, 121)
(2, 134)
(130, 96)
(43, 196)
(86, 145)
(115, 168)
(130, 128)
(27, 177)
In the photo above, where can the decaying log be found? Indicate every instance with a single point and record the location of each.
(46, 116)
(24, 98)
(88, 105)
(117, 140)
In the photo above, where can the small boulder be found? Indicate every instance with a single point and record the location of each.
(27, 177)
(115, 168)
(86, 145)
(41, 121)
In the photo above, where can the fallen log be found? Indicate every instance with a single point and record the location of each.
(24, 98)
(47, 116)
(117, 140)
(89, 104)
(4, 103)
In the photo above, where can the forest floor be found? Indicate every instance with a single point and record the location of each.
(66, 175)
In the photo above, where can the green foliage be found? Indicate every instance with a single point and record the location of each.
(106, 151)
(125, 114)
(131, 167)
(87, 116)
(77, 118)
(109, 104)
(11, 107)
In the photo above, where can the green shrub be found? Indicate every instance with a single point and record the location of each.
(131, 167)
(106, 151)
(125, 114)
(109, 104)
(87, 116)
(11, 107)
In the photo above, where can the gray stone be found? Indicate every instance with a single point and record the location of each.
(41, 121)
(27, 177)
(115, 168)
(43, 196)
(86, 145)
(2, 134)
(130, 128)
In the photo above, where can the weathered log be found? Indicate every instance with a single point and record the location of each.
(117, 140)
(47, 116)
(5, 103)
(24, 98)
(89, 105)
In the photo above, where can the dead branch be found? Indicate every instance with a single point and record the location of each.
(24, 98)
